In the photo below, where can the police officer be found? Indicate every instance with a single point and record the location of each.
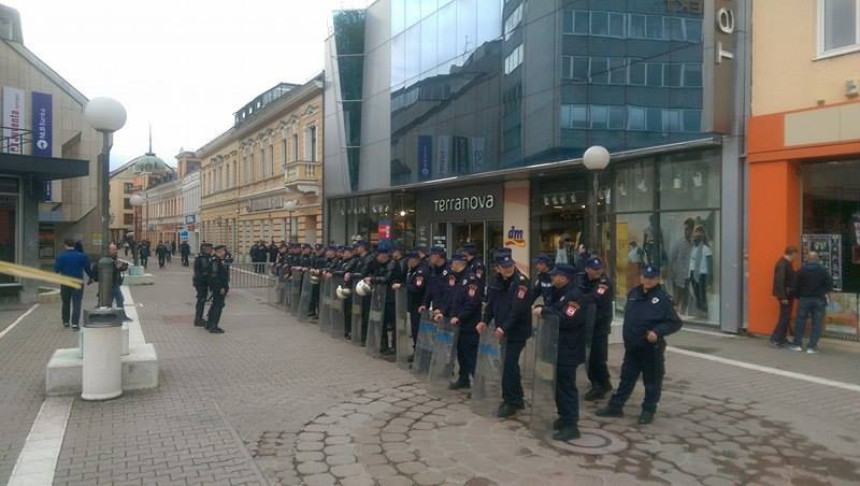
(365, 268)
(416, 286)
(568, 304)
(318, 261)
(542, 286)
(348, 269)
(600, 288)
(475, 265)
(219, 284)
(463, 308)
(437, 281)
(386, 275)
(649, 317)
(509, 308)
(202, 270)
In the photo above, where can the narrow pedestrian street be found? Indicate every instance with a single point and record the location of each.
(273, 401)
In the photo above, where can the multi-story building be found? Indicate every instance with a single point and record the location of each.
(261, 179)
(169, 203)
(466, 121)
(804, 151)
(136, 175)
(48, 162)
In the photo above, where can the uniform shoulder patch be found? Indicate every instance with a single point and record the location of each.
(655, 300)
(522, 291)
(572, 307)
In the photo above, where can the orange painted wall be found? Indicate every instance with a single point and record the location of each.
(774, 223)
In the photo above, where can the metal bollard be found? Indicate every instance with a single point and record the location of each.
(102, 341)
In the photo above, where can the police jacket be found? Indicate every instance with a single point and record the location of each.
(568, 304)
(350, 266)
(202, 270)
(510, 305)
(648, 311)
(416, 286)
(387, 274)
(542, 287)
(307, 261)
(438, 285)
(603, 293)
(464, 301)
(363, 269)
(273, 253)
(219, 277)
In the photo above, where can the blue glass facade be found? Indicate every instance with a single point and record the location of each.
(481, 85)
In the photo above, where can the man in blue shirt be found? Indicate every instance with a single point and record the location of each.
(75, 264)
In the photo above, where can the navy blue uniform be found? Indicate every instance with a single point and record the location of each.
(568, 304)
(438, 287)
(464, 303)
(387, 274)
(542, 288)
(348, 266)
(509, 304)
(645, 311)
(416, 287)
(602, 292)
(219, 284)
(202, 275)
(476, 266)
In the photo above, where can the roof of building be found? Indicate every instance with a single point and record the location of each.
(147, 162)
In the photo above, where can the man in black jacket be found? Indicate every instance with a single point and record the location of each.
(416, 286)
(783, 290)
(202, 275)
(463, 308)
(649, 317)
(387, 274)
(600, 287)
(184, 252)
(509, 307)
(219, 284)
(812, 285)
(568, 304)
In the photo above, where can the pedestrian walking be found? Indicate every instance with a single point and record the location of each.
(144, 254)
(602, 292)
(509, 308)
(219, 284)
(783, 290)
(568, 306)
(173, 247)
(184, 252)
(161, 252)
(75, 264)
(813, 285)
(200, 280)
(649, 317)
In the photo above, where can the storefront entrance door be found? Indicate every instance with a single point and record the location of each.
(486, 235)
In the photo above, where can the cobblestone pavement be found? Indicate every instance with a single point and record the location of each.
(274, 401)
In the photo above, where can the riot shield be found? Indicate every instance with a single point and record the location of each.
(305, 298)
(375, 324)
(402, 328)
(356, 317)
(444, 352)
(543, 379)
(336, 306)
(325, 305)
(424, 346)
(272, 291)
(288, 288)
(296, 291)
(487, 386)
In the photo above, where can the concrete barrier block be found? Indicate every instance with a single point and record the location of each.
(63, 375)
(145, 279)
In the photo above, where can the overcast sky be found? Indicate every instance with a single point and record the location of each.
(185, 66)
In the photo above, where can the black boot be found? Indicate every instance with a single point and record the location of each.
(459, 385)
(507, 410)
(609, 411)
(597, 393)
(646, 417)
(200, 323)
(216, 330)
(566, 433)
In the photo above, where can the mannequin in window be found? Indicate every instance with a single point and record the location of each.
(701, 268)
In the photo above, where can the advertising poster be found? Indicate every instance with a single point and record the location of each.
(461, 155)
(14, 119)
(829, 249)
(841, 315)
(384, 229)
(42, 122)
(444, 160)
(425, 157)
(478, 154)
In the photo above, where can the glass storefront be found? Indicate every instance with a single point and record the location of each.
(373, 218)
(831, 227)
(663, 211)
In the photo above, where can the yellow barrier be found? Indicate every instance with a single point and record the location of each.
(24, 271)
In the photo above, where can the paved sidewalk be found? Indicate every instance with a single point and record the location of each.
(274, 401)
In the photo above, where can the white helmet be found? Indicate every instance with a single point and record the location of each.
(343, 292)
(315, 279)
(363, 288)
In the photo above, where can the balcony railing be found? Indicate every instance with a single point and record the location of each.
(303, 176)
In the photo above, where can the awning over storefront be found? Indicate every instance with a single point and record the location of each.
(43, 168)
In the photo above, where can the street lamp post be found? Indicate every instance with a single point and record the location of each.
(291, 206)
(136, 200)
(595, 159)
(106, 115)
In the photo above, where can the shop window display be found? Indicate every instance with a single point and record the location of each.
(831, 226)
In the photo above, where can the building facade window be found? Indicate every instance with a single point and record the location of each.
(295, 148)
(839, 25)
(514, 59)
(513, 21)
(310, 143)
(621, 117)
(623, 25)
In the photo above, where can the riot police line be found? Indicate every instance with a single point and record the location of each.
(496, 333)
